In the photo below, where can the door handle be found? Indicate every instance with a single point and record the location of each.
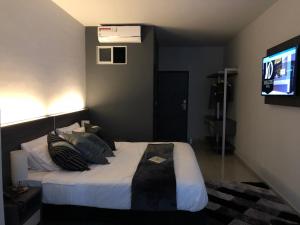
(183, 105)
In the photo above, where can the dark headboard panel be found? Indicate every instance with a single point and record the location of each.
(67, 119)
(13, 136)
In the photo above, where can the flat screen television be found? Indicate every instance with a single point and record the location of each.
(279, 73)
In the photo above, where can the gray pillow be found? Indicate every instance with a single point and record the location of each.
(91, 152)
(107, 151)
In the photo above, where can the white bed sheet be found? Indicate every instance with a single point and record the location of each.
(109, 186)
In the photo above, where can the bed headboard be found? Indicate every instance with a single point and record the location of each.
(13, 136)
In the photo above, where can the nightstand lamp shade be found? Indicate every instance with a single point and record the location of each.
(19, 167)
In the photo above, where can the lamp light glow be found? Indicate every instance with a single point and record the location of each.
(19, 107)
(69, 102)
(16, 108)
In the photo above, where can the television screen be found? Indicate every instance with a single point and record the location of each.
(279, 77)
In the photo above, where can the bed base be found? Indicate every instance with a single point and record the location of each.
(67, 213)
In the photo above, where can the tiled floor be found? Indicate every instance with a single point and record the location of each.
(211, 166)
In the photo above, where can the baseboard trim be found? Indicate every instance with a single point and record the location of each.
(252, 166)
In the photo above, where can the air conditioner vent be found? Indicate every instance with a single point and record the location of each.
(119, 34)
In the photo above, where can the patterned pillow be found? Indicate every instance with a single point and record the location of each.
(65, 155)
(94, 129)
(92, 152)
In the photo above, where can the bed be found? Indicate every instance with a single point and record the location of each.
(109, 186)
(104, 192)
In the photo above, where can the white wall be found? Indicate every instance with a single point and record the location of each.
(42, 60)
(199, 61)
(268, 136)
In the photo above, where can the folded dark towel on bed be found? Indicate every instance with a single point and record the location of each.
(154, 184)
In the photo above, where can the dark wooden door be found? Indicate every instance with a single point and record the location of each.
(171, 106)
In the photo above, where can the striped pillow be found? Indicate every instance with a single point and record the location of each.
(65, 155)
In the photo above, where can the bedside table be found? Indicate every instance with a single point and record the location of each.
(24, 208)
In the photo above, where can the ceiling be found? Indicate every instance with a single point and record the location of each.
(178, 22)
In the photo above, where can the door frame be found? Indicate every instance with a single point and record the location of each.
(155, 95)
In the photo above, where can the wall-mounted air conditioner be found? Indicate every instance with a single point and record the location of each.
(119, 34)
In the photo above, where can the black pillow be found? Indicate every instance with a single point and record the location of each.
(92, 152)
(94, 129)
(65, 155)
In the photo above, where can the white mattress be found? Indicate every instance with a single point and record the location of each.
(109, 186)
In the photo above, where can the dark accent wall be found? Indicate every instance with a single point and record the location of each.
(120, 97)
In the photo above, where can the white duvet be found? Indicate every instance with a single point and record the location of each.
(109, 186)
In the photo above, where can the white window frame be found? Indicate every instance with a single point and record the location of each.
(112, 55)
(98, 55)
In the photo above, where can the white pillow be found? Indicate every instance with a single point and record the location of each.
(38, 155)
(68, 129)
(80, 129)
